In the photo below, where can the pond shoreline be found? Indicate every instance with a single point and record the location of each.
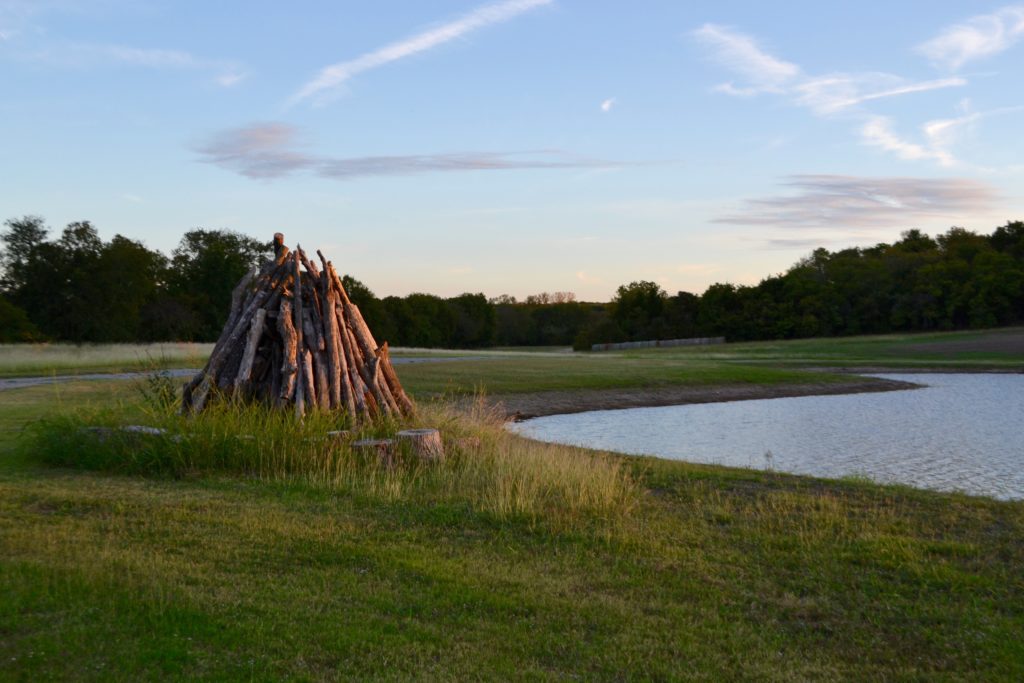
(520, 407)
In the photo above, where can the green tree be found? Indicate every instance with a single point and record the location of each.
(204, 269)
(638, 309)
(15, 327)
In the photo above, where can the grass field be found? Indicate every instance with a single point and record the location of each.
(968, 349)
(512, 561)
(28, 360)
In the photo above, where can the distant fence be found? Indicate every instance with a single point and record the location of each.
(658, 343)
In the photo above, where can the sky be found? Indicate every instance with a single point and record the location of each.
(517, 146)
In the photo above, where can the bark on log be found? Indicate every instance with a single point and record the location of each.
(251, 344)
(392, 379)
(294, 338)
(289, 359)
(308, 381)
(424, 443)
(301, 388)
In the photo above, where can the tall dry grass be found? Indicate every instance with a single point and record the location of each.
(491, 470)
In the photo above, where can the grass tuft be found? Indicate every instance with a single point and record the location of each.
(492, 471)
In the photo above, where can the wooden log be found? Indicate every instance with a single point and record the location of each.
(379, 450)
(425, 444)
(314, 338)
(320, 380)
(289, 356)
(251, 344)
(355, 382)
(300, 379)
(310, 266)
(220, 353)
(308, 380)
(237, 298)
(408, 407)
(382, 387)
(370, 377)
(334, 363)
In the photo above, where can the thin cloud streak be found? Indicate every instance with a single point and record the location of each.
(332, 76)
(824, 95)
(979, 37)
(273, 150)
(923, 86)
(841, 202)
(78, 55)
(877, 132)
(741, 53)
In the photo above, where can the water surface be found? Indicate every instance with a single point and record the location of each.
(962, 432)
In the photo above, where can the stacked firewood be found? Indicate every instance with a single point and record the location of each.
(295, 340)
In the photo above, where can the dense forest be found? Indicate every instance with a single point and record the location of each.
(78, 288)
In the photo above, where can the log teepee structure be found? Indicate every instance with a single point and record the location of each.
(294, 340)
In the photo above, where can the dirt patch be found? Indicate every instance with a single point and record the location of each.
(525, 406)
(1000, 341)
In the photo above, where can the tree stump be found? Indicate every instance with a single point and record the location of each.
(424, 443)
(381, 450)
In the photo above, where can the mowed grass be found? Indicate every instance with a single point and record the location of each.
(29, 360)
(981, 349)
(591, 371)
(695, 573)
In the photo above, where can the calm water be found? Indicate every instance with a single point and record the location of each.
(961, 432)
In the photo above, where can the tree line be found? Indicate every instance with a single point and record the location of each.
(76, 287)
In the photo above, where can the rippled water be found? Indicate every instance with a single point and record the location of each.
(962, 432)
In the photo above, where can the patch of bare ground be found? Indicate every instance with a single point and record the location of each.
(520, 407)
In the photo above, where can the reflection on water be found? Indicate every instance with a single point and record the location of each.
(963, 432)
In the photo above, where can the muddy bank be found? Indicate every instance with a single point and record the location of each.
(520, 407)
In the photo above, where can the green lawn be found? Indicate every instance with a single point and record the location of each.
(702, 573)
(30, 360)
(1002, 348)
(591, 371)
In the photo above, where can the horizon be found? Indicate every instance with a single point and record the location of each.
(573, 146)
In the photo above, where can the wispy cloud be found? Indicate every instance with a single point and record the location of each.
(878, 132)
(226, 73)
(832, 94)
(981, 36)
(827, 94)
(335, 75)
(843, 202)
(741, 53)
(274, 150)
(939, 136)
(607, 105)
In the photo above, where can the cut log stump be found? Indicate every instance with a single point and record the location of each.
(381, 450)
(424, 443)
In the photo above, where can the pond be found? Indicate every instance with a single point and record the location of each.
(962, 432)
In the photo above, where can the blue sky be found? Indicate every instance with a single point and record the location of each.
(517, 146)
